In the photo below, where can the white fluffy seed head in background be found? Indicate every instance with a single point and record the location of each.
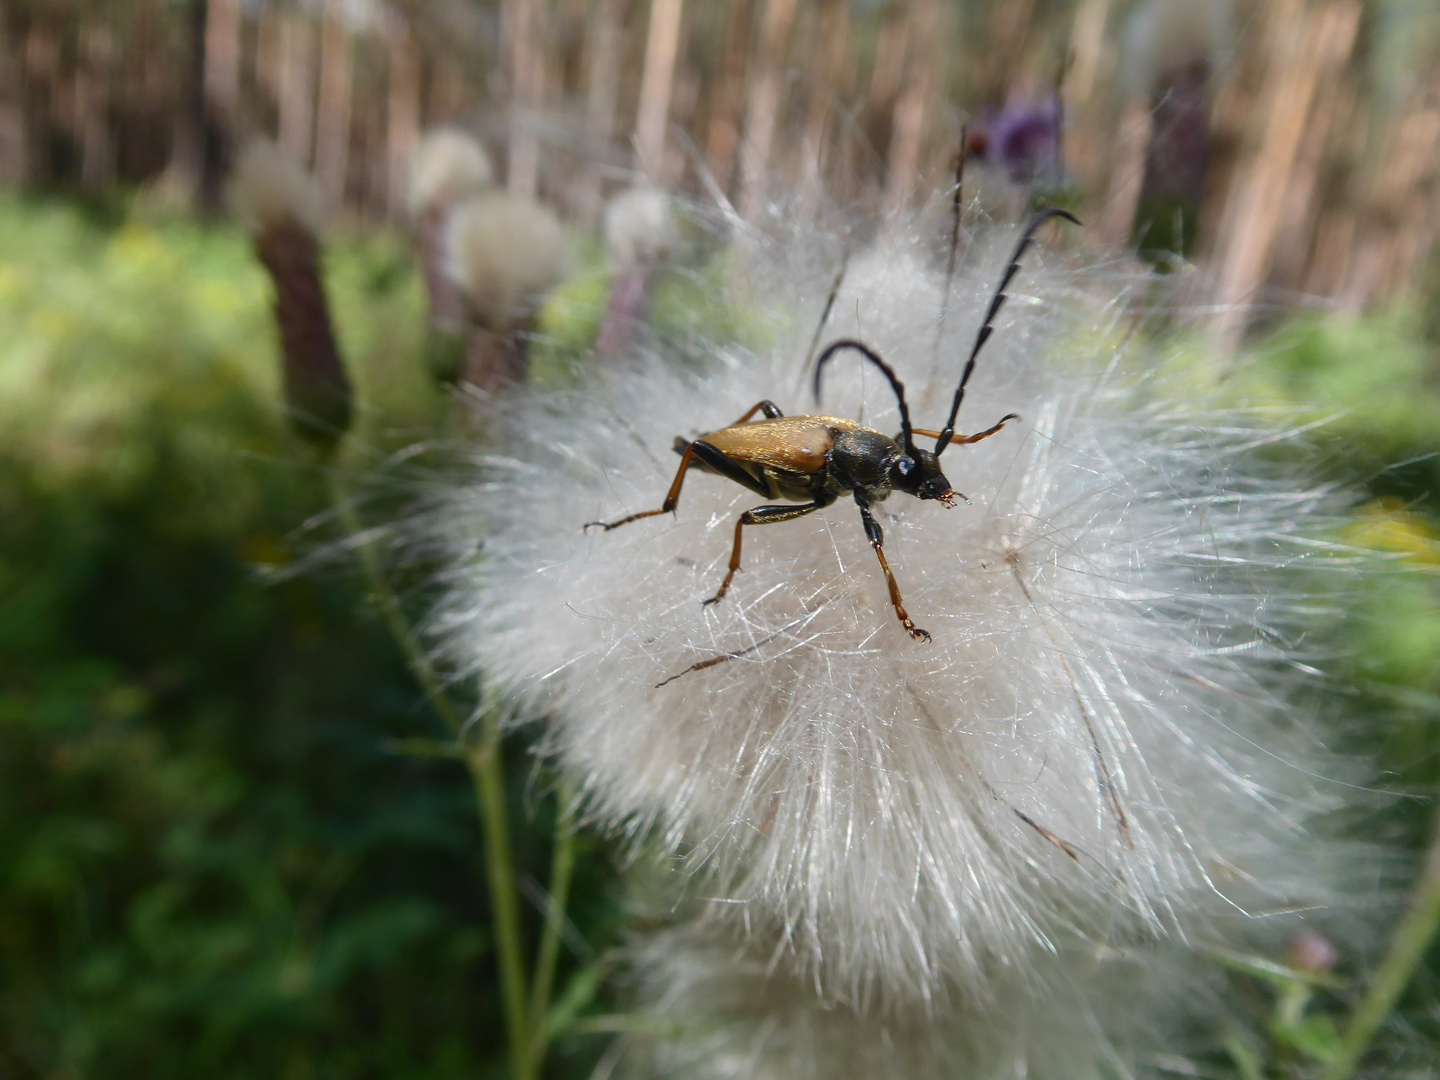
(640, 226)
(722, 1012)
(271, 189)
(504, 253)
(448, 165)
(1163, 36)
(1100, 738)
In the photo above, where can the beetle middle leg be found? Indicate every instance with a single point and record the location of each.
(877, 541)
(760, 515)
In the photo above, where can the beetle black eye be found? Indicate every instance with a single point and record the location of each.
(905, 466)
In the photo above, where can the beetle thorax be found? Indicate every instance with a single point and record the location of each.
(865, 458)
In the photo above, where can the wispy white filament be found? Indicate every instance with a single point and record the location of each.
(1101, 738)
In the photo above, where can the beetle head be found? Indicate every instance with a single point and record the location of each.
(918, 473)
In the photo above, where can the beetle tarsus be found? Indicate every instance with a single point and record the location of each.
(608, 525)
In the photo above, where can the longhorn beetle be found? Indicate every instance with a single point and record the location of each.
(815, 459)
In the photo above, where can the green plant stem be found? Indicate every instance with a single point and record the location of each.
(488, 777)
(485, 767)
(562, 866)
(1407, 948)
(395, 621)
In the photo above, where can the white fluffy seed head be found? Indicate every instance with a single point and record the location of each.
(640, 226)
(1096, 742)
(271, 189)
(722, 1011)
(504, 253)
(1163, 36)
(449, 165)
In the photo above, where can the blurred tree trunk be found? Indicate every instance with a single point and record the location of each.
(762, 109)
(197, 151)
(908, 126)
(1398, 217)
(14, 138)
(994, 72)
(1333, 112)
(1088, 129)
(402, 114)
(1127, 174)
(661, 46)
(448, 97)
(296, 101)
(827, 79)
(886, 76)
(1297, 58)
(522, 29)
(220, 109)
(92, 106)
(723, 134)
(332, 122)
(603, 61)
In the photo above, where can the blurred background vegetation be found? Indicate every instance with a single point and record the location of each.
(220, 851)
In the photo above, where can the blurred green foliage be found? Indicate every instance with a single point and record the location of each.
(1372, 386)
(211, 861)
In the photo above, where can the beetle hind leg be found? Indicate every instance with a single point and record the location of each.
(768, 407)
(672, 497)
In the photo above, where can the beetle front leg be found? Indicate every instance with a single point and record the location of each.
(877, 541)
(760, 515)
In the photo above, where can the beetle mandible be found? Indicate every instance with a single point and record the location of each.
(815, 459)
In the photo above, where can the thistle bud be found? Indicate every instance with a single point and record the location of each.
(1169, 54)
(640, 236)
(280, 206)
(1023, 139)
(504, 253)
(448, 167)
(1311, 952)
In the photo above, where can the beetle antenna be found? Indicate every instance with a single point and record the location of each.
(957, 213)
(895, 384)
(988, 326)
(829, 302)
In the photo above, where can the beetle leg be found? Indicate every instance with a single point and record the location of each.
(768, 407)
(672, 497)
(710, 459)
(760, 515)
(877, 541)
(702, 455)
(970, 438)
